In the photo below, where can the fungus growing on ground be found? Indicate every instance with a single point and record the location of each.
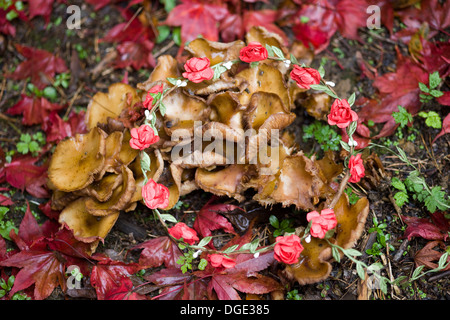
(244, 111)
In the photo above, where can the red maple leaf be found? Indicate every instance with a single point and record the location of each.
(208, 219)
(177, 285)
(39, 65)
(4, 200)
(244, 276)
(23, 174)
(44, 256)
(395, 88)
(424, 228)
(427, 255)
(325, 17)
(197, 18)
(135, 42)
(124, 291)
(56, 129)
(158, 251)
(108, 274)
(35, 110)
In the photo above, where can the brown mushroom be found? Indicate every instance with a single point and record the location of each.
(77, 160)
(86, 227)
(297, 183)
(314, 263)
(103, 189)
(263, 78)
(229, 181)
(119, 200)
(111, 104)
(183, 110)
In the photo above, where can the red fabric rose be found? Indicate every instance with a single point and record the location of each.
(150, 94)
(197, 70)
(304, 77)
(220, 261)
(321, 222)
(356, 167)
(142, 137)
(253, 52)
(155, 195)
(287, 249)
(181, 230)
(341, 114)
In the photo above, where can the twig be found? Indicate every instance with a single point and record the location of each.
(75, 96)
(342, 186)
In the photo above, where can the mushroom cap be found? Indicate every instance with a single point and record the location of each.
(119, 200)
(297, 183)
(182, 110)
(263, 78)
(77, 160)
(229, 181)
(314, 262)
(86, 227)
(103, 189)
(111, 104)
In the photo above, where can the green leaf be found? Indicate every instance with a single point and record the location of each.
(269, 49)
(403, 117)
(231, 249)
(168, 217)
(353, 252)
(278, 52)
(294, 59)
(168, 4)
(321, 87)
(274, 221)
(351, 99)
(434, 79)
(398, 184)
(336, 255)
(345, 145)
(163, 33)
(433, 120)
(254, 245)
(202, 264)
(162, 110)
(360, 270)
(204, 241)
(176, 35)
(352, 128)
(417, 272)
(254, 64)
(423, 87)
(400, 198)
(321, 71)
(145, 161)
(436, 93)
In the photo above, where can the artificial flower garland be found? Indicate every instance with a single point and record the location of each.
(287, 248)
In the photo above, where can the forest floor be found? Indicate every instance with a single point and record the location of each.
(384, 238)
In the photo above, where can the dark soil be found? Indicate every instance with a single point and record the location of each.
(341, 68)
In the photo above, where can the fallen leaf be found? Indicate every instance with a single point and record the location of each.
(124, 291)
(23, 173)
(197, 18)
(39, 65)
(56, 129)
(44, 257)
(159, 251)
(395, 88)
(424, 228)
(35, 110)
(208, 219)
(427, 255)
(108, 274)
(325, 17)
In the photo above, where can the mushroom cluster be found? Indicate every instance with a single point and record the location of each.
(224, 136)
